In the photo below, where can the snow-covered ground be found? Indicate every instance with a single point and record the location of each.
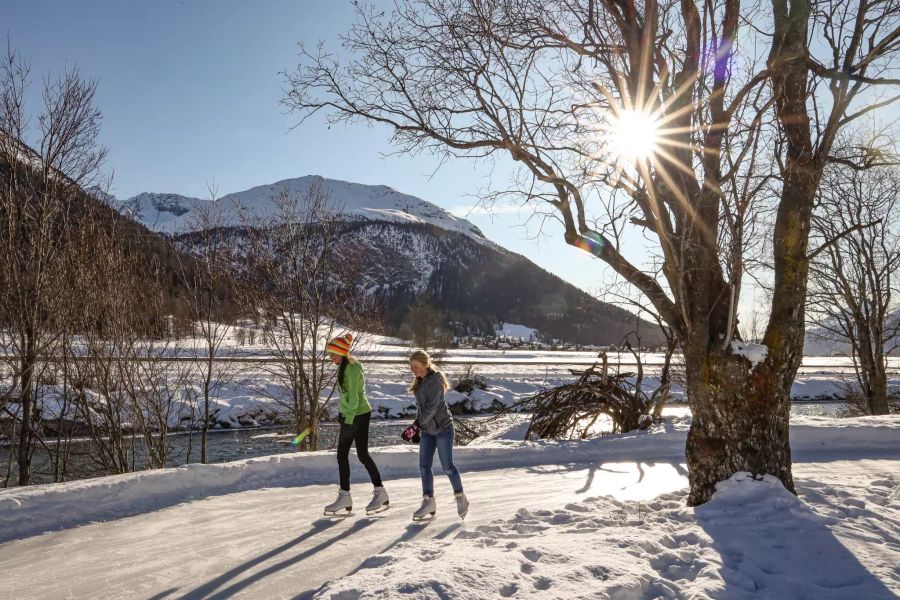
(252, 397)
(601, 518)
(250, 394)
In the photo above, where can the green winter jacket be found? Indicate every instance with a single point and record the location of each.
(353, 393)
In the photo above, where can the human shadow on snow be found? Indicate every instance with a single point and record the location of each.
(213, 588)
(412, 530)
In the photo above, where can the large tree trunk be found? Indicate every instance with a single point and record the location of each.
(741, 411)
(737, 424)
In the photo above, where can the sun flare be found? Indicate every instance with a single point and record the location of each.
(634, 135)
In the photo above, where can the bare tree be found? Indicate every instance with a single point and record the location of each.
(853, 282)
(684, 121)
(149, 379)
(209, 288)
(106, 296)
(41, 182)
(300, 280)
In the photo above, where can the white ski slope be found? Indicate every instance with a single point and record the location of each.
(254, 528)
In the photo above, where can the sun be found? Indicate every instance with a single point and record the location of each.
(633, 135)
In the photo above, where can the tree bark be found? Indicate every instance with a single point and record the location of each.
(738, 424)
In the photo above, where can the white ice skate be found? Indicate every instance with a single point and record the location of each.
(341, 507)
(380, 501)
(462, 504)
(427, 510)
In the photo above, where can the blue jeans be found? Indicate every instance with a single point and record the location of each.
(443, 442)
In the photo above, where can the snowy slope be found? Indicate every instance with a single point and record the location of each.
(173, 213)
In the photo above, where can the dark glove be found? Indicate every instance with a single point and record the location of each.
(411, 434)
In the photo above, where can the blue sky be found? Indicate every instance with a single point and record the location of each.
(190, 94)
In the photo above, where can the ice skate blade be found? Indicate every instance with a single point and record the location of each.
(427, 518)
(380, 509)
(344, 512)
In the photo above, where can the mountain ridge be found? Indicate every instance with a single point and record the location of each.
(170, 212)
(414, 248)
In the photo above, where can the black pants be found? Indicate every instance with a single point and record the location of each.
(358, 433)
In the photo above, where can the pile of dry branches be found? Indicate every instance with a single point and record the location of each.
(571, 411)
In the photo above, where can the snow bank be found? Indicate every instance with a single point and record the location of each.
(30, 511)
(752, 540)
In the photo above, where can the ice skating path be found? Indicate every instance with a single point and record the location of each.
(274, 543)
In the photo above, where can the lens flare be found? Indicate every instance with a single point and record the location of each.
(591, 242)
(634, 135)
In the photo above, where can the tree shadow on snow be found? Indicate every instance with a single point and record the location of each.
(771, 545)
(211, 589)
(593, 468)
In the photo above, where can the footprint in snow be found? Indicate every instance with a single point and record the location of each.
(542, 583)
(531, 554)
(377, 561)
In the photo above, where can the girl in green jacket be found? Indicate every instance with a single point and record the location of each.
(355, 414)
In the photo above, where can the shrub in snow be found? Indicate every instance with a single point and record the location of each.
(572, 410)
(469, 381)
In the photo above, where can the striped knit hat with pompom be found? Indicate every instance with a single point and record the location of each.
(340, 345)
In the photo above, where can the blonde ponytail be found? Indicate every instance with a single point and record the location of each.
(420, 356)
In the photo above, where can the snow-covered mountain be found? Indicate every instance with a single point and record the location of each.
(412, 247)
(175, 214)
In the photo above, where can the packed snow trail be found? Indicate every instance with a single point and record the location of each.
(275, 543)
(255, 528)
